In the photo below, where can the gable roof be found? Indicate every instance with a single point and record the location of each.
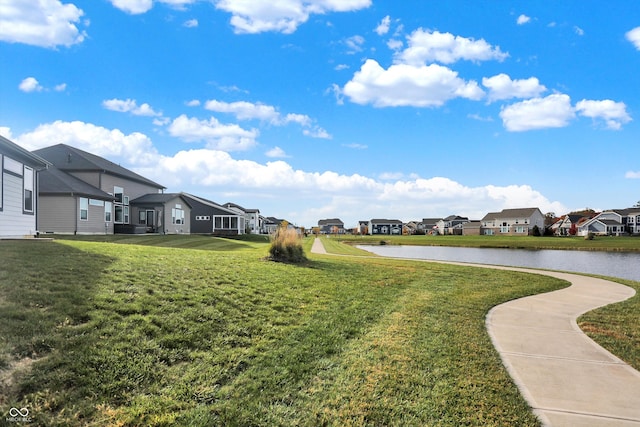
(54, 181)
(330, 221)
(158, 198)
(210, 204)
(386, 221)
(511, 213)
(18, 153)
(71, 159)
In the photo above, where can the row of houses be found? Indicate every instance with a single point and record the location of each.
(61, 189)
(512, 222)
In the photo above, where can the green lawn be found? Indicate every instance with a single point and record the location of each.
(149, 334)
(599, 243)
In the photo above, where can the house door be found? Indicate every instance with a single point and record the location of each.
(151, 220)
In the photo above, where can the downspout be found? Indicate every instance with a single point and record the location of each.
(75, 215)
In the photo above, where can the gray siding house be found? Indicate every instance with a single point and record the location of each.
(104, 209)
(208, 217)
(513, 222)
(164, 213)
(19, 206)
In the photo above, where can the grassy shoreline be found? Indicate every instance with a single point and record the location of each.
(181, 331)
(600, 243)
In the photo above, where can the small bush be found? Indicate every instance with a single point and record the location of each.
(286, 246)
(589, 236)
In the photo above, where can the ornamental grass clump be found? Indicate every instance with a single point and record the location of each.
(286, 246)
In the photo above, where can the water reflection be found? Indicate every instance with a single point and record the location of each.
(615, 264)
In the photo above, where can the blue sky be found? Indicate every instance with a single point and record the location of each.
(357, 109)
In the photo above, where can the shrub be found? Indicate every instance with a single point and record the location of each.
(286, 246)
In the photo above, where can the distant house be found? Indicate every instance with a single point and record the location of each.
(19, 202)
(91, 212)
(363, 227)
(385, 227)
(208, 217)
(271, 224)
(471, 228)
(428, 225)
(252, 218)
(567, 225)
(451, 224)
(613, 222)
(512, 222)
(165, 213)
(331, 226)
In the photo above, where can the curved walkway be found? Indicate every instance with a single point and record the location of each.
(566, 377)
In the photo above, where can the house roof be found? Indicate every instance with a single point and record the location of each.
(511, 213)
(18, 153)
(331, 221)
(158, 198)
(237, 206)
(71, 159)
(54, 181)
(210, 203)
(385, 221)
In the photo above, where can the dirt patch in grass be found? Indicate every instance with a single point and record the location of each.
(9, 374)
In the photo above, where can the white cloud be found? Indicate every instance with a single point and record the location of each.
(523, 19)
(209, 172)
(61, 87)
(634, 37)
(632, 175)
(395, 44)
(243, 110)
(502, 87)
(136, 7)
(135, 148)
(129, 106)
(434, 46)
(193, 103)
(407, 85)
(383, 27)
(613, 113)
(553, 111)
(191, 23)
(30, 84)
(276, 152)
(218, 136)
(45, 23)
(354, 44)
(579, 31)
(6, 132)
(341, 67)
(257, 16)
(356, 146)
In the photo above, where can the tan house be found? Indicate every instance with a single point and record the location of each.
(512, 222)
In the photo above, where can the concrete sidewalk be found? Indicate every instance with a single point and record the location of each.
(567, 379)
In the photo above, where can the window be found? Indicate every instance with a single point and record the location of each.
(177, 216)
(126, 215)
(107, 211)
(28, 189)
(84, 208)
(119, 214)
(142, 217)
(118, 194)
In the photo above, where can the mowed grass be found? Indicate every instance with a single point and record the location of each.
(149, 335)
(599, 243)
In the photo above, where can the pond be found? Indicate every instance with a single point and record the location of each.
(625, 265)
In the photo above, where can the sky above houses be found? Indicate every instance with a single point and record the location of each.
(356, 109)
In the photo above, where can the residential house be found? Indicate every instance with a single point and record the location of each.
(385, 227)
(471, 228)
(410, 228)
(208, 217)
(78, 207)
(165, 213)
(94, 214)
(428, 225)
(271, 224)
(451, 225)
(613, 222)
(513, 222)
(252, 218)
(19, 203)
(363, 227)
(331, 226)
(567, 225)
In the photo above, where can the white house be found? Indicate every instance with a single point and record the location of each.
(19, 171)
(613, 222)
